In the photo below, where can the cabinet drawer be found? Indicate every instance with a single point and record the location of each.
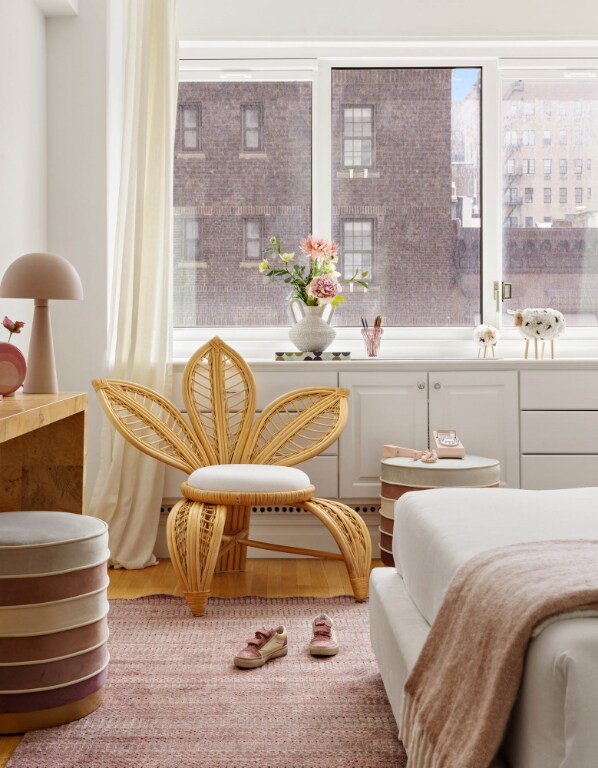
(559, 390)
(559, 432)
(322, 471)
(549, 472)
(270, 384)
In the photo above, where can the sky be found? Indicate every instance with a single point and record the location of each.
(463, 80)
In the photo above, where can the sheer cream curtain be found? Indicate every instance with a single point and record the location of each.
(128, 490)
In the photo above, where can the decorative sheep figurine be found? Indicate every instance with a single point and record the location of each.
(486, 337)
(540, 324)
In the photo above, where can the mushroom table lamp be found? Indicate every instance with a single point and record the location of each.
(41, 276)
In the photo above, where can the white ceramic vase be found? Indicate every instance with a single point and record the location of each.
(311, 330)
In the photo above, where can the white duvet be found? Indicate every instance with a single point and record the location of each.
(555, 721)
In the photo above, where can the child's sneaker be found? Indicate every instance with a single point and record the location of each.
(267, 644)
(323, 642)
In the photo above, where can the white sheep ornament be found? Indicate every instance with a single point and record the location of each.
(543, 325)
(486, 337)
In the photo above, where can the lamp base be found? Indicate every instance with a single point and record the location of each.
(41, 368)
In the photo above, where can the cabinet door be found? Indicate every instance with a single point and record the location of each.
(483, 407)
(383, 408)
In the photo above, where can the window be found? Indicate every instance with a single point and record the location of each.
(589, 193)
(577, 108)
(251, 127)
(547, 194)
(563, 138)
(529, 222)
(529, 138)
(358, 133)
(357, 247)
(589, 164)
(191, 243)
(510, 195)
(578, 167)
(233, 204)
(426, 132)
(547, 167)
(547, 219)
(528, 108)
(563, 195)
(511, 222)
(511, 166)
(252, 239)
(547, 138)
(577, 137)
(190, 127)
(563, 167)
(529, 195)
(511, 138)
(529, 167)
(578, 195)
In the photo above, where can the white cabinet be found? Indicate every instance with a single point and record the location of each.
(384, 407)
(559, 424)
(403, 408)
(483, 407)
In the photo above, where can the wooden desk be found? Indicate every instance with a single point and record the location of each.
(42, 452)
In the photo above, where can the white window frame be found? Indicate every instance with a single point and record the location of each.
(265, 61)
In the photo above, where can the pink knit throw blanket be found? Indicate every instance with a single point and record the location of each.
(460, 693)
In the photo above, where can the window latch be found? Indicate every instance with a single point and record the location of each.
(502, 292)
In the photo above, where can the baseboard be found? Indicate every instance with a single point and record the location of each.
(286, 525)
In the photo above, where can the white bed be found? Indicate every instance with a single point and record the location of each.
(555, 720)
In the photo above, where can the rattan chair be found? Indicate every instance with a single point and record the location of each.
(208, 530)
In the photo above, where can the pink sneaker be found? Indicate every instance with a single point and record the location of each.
(323, 642)
(267, 644)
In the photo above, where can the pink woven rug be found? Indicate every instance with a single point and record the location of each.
(174, 698)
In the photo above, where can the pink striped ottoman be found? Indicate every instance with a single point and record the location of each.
(53, 618)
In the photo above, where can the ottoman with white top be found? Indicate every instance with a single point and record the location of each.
(53, 618)
(401, 475)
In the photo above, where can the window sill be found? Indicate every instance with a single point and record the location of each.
(249, 264)
(192, 264)
(357, 174)
(253, 156)
(191, 156)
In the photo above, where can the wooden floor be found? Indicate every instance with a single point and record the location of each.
(265, 578)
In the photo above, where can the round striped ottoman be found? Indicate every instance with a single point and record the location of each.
(400, 475)
(53, 618)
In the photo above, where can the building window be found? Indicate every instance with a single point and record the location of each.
(511, 138)
(191, 241)
(547, 138)
(190, 127)
(578, 195)
(358, 134)
(528, 108)
(529, 222)
(548, 194)
(547, 219)
(589, 193)
(547, 167)
(589, 164)
(529, 138)
(529, 167)
(529, 195)
(578, 166)
(252, 127)
(252, 239)
(563, 167)
(563, 195)
(511, 166)
(577, 108)
(511, 195)
(511, 222)
(578, 137)
(562, 108)
(357, 247)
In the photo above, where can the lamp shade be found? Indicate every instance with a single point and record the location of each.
(41, 276)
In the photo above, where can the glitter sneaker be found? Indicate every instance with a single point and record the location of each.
(265, 645)
(323, 642)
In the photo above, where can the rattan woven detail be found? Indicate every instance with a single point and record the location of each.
(209, 529)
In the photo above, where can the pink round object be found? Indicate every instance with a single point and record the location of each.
(12, 368)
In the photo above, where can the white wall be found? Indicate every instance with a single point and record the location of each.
(77, 198)
(386, 19)
(22, 145)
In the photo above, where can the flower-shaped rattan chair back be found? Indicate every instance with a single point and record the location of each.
(219, 395)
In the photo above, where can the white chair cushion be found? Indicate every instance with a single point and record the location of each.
(249, 478)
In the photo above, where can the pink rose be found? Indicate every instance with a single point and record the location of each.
(12, 326)
(324, 288)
